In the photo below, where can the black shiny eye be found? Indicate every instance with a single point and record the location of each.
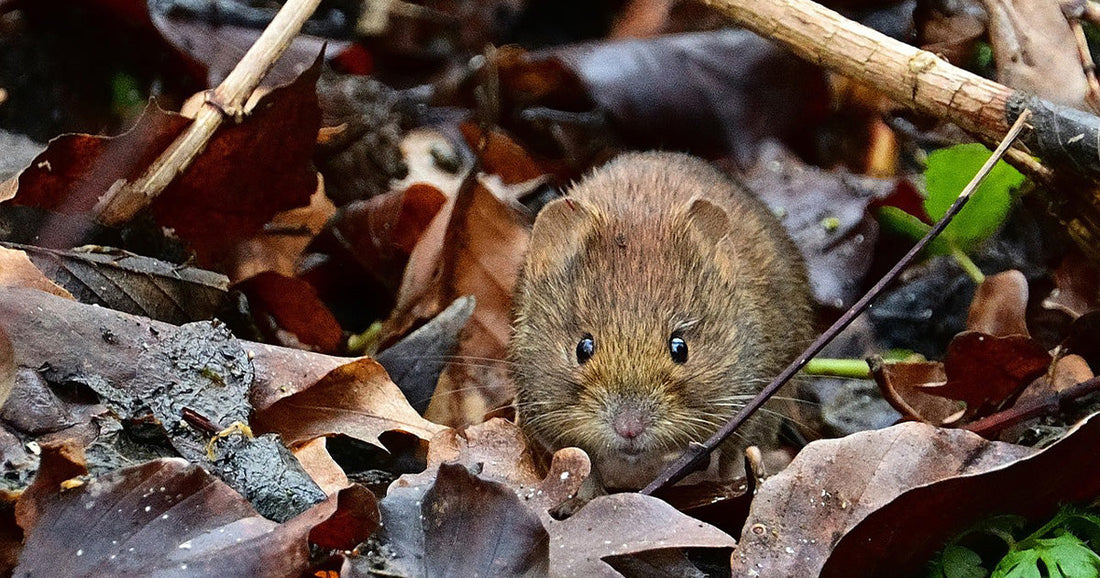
(678, 349)
(585, 348)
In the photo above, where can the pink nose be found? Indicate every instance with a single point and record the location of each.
(631, 422)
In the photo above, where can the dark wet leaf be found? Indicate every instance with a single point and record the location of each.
(134, 284)
(415, 362)
(462, 525)
(162, 518)
(363, 251)
(901, 534)
(826, 216)
(800, 513)
(718, 91)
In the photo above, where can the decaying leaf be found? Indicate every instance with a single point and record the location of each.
(1000, 305)
(901, 534)
(126, 282)
(356, 399)
(287, 311)
(17, 270)
(461, 525)
(800, 514)
(162, 517)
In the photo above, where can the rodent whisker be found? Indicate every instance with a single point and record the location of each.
(455, 358)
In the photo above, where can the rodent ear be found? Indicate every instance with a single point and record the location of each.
(560, 230)
(710, 220)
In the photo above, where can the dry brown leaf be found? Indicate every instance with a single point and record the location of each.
(898, 537)
(320, 466)
(16, 270)
(800, 513)
(999, 307)
(356, 399)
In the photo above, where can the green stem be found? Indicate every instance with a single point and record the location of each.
(967, 265)
(855, 368)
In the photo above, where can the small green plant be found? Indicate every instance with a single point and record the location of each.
(949, 170)
(1063, 547)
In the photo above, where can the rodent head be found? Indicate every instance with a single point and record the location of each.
(634, 337)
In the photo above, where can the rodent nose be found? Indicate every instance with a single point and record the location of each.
(631, 422)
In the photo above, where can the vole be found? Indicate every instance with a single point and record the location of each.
(655, 299)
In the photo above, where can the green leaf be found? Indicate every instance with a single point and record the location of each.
(948, 172)
(1065, 555)
(962, 562)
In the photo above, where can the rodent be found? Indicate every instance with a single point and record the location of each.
(655, 299)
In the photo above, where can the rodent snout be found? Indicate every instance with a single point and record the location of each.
(630, 421)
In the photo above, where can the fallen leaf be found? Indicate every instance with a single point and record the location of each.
(667, 93)
(622, 524)
(316, 461)
(164, 516)
(17, 270)
(825, 213)
(989, 372)
(999, 307)
(905, 384)
(355, 519)
(474, 247)
(356, 399)
(130, 283)
(461, 525)
(1076, 286)
(287, 311)
(900, 535)
(800, 514)
(415, 362)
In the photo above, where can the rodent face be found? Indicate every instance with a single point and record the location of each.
(642, 294)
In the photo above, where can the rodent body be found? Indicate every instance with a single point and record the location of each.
(655, 300)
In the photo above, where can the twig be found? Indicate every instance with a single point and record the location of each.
(123, 200)
(1047, 405)
(1074, 11)
(695, 454)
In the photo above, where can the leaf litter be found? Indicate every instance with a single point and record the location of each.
(432, 263)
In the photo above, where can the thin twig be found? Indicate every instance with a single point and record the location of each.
(123, 200)
(1047, 405)
(695, 454)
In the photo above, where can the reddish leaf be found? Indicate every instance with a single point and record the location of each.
(248, 172)
(75, 170)
(1076, 286)
(355, 519)
(905, 386)
(900, 535)
(474, 247)
(987, 372)
(502, 156)
(287, 311)
(800, 513)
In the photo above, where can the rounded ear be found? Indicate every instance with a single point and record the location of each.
(560, 231)
(708, 220)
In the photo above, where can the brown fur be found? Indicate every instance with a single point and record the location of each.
(650, 244)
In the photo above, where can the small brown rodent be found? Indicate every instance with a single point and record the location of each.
(655, 299)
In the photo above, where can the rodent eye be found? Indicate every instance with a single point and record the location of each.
(585, 348)
(678, 349)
